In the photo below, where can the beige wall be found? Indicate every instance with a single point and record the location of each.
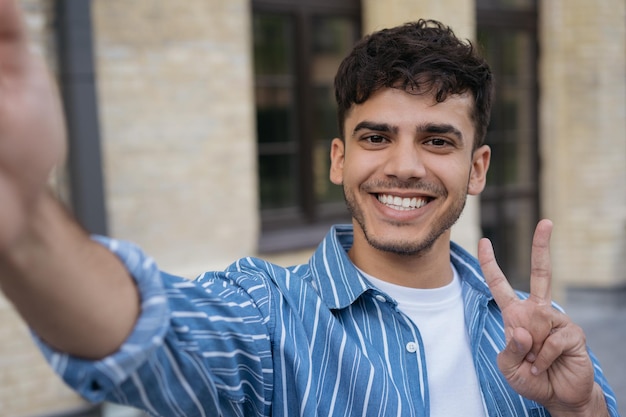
(458, 14)
(583, 138)
(177, 116)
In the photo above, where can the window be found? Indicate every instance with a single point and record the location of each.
(298, 46)
(510, 202)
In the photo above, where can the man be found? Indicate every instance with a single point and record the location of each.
(388, 318)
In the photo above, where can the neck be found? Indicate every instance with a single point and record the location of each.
(430, 268)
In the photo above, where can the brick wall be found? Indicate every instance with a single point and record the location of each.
(177, 116)
(583, 138)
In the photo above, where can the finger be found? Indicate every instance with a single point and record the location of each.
(514, 354)
(13, 39)
(568, 339)
(10, 20)
(541, 268)
(497, 282)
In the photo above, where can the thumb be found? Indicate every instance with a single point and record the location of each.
(514, 354)
(13, 37)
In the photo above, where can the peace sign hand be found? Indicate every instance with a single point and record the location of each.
(545, 358)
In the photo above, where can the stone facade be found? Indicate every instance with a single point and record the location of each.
(583, 140)
(176, 109)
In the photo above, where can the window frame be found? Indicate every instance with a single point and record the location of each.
(305, 224)
(511, 247)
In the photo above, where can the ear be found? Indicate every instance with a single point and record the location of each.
(337, 157)
(478, 174)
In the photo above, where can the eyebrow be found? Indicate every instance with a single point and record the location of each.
(432, 128)
(440, 128)
(379, 127)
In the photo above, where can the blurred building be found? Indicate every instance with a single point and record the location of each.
(200, 129)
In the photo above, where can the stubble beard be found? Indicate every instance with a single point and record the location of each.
(407, 247)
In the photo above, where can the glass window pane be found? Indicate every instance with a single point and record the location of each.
(332, 39)
(510, 226)
(511, 163)
(273, 44)
(276, 109)
(295, 106)
(277, 181)
(511, 133)
(509, 202)
(518, 5)
(275, 114)
(516, 50)
(274, 78)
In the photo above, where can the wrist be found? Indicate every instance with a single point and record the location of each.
(36, 224)
(594, 407)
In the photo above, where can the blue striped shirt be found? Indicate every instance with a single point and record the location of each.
(310, 340)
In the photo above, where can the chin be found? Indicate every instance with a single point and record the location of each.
(402, 247)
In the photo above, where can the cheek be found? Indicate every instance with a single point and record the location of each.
(454, 176)
(355, 172)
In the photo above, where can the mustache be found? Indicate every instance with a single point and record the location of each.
(417, 185)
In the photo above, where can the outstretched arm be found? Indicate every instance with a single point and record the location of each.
(546, 357)
(75, 294)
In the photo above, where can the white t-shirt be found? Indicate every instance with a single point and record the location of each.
(439, 316)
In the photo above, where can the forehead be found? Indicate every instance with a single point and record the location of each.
(405, 109)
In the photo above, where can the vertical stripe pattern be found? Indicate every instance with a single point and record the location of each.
(310, 340)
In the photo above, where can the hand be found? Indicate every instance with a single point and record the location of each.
(32, 133)
(43, 251)
(545, 358)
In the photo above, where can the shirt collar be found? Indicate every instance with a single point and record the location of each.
(469, 270)
(339, 283)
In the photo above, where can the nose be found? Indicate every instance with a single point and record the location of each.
(404, 161)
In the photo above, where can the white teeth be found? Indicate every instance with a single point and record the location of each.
(399, 203)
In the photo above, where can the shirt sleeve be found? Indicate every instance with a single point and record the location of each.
(198, 347)
(600, 378)
(609, 395)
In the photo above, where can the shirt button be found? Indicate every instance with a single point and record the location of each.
(411, 347)
(381, 298)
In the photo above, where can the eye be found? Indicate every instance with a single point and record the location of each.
(438, 142)
(375, 139)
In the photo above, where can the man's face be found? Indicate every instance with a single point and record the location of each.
(406, 167)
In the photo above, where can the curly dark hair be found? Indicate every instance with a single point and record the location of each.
(424, 57)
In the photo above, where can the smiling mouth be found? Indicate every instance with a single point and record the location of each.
(402, 203)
